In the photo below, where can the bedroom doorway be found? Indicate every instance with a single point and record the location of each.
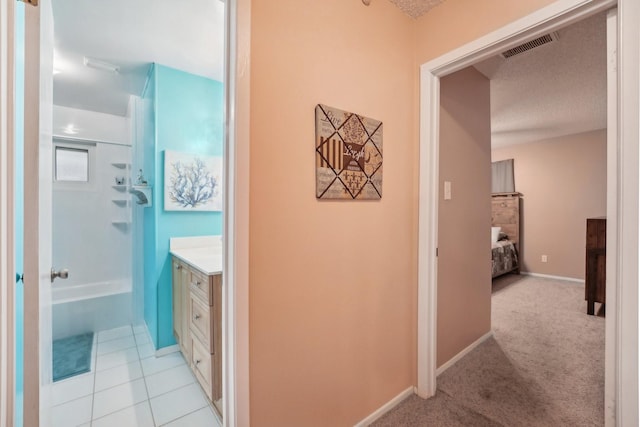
(539, 319)
(621, 354)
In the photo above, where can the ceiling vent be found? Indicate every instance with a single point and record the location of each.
(525, 47)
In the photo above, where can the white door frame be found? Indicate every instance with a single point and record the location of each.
(7, 224)
(236, 225)
(236, 289)
(621, 374)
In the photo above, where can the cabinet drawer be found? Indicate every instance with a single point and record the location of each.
(201, 286)
(201, 361)
(201, 323)
(596, 233)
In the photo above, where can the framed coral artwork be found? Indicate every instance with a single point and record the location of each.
(192, 182)
(348, 155)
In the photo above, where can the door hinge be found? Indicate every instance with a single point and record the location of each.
(31, 2)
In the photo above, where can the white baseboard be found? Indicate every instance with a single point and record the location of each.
(386, 407)
(463, 353)
(167, 350)
(550, 276)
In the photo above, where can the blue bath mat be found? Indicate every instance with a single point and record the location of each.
(72, 356)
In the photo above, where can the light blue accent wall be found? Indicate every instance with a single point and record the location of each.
(19, 209)
(188, 117)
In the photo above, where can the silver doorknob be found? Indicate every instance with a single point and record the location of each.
(62, 274)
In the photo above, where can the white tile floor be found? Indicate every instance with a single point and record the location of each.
(129, 387)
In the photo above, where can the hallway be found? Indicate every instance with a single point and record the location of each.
(544, 366)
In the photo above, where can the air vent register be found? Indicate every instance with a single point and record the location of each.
(532, 44)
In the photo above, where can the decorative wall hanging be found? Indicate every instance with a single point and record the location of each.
(348, 155)
(192, 182)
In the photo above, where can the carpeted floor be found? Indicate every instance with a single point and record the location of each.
(544, 366)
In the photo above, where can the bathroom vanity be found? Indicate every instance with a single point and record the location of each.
(197, 308)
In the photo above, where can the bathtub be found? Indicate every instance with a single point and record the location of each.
(91, 307)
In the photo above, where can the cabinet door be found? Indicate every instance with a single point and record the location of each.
(185, 345)
(216, 380)
(177, 285)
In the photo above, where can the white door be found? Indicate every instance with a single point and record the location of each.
(38, 178)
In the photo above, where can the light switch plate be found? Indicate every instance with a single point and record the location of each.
(447, 190)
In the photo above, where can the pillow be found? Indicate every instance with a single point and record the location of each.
(495, 231)
(502, 236)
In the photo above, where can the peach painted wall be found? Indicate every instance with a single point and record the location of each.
(331, 337)
(563, 182)
(457, 22)
(332, 283)
(464, 259)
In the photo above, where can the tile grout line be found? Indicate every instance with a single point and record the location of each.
(93, 395)
(139, 360)
(144, 378)
(182, 416)
(135, 379)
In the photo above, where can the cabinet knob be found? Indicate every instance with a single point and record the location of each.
(197, 361)
(198, 284)
(196, 317)
(178, 267)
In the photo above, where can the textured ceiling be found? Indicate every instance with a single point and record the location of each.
(554, 90)
(415, 8)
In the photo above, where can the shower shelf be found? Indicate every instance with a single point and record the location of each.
(120, 165)
(120, 187)
(120, 222)
(120, 202)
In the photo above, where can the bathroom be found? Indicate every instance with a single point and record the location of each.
(130, 102)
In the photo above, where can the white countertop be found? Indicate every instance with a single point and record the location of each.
(202, 252)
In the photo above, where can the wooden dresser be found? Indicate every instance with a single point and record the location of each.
(596, 263)
(197, 324)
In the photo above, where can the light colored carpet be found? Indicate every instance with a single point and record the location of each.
(544, 366)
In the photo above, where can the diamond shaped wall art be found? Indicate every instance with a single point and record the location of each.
(348, 155)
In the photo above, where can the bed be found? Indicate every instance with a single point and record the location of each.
(505, 245)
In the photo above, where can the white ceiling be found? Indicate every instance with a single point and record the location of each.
(184, 34)
(553, 90)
